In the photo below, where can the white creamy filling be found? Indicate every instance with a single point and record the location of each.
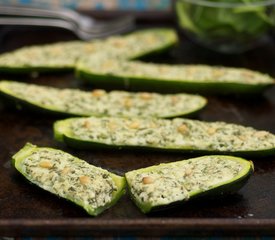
(176, 133)
(99, 102)
(169, 183)
(64, 175)
(188, 73)
(65, 54)
(59, 54)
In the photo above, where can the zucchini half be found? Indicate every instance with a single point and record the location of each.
(56, 57)
(178, 134)
(141, 43)
(92, 188)
(136, 75)
(165, 185)
(63, 56)
(73, 102)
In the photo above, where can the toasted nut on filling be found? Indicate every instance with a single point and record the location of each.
(183, 129)
(84, 180)
(147, 180)
(134, 125)
(188, 172)
(98, 92)
(211, 130)
(45, 164)
(87, 124)
(146, 96)
(128, 103)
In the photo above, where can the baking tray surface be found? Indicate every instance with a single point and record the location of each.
(27, 210)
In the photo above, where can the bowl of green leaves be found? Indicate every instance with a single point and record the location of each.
(228, 26)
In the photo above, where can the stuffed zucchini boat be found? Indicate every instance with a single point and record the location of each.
(139, 44)
(64, 55)
(165, 185)
(136, 75)
(92, 188)
(73, 102)
(54, 57)
(178, 134)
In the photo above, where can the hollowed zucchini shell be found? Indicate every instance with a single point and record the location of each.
(63, 133)
(18, 162)
(228, 186)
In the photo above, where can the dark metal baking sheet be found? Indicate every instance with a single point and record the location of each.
(26, 210)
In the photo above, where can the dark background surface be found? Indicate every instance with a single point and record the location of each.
(27, 210)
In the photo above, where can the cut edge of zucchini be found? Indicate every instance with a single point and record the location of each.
(137, 83)
(20, 102)
(119, 181)
(24, 68)
(226, 187)
(171, 40)
(63, 134)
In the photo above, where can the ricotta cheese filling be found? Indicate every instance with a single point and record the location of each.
(100, 102)
(69, 177)
(66, 54)
(164, 72)
(138, 43)
(174, 182)
(177, 133)
(49, 55)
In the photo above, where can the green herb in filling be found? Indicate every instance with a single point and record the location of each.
(174, 182)
(101, 103)
(176, 134)
(60, 173)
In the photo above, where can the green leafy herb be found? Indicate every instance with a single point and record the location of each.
(219, 20)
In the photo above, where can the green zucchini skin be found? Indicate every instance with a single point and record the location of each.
(88, 145)
(200, 87)
(20, 104)
(63, 56)
(188, 105)
(229, 186)
(34, 70)
(167, 35)
(63, 133)
(45, 58)
(98, 78)
(29, 149)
